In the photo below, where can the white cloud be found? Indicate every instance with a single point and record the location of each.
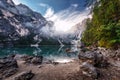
(43, 5)
(17, 1)
(66, 19)
(75, 5)
(49, 13)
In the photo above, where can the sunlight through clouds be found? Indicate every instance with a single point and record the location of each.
(66, 19)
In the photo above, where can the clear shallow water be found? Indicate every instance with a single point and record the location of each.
(56, 53)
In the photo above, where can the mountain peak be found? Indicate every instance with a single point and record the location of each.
(24, 10)
(24, 6)
(10, 2)
(7, 2)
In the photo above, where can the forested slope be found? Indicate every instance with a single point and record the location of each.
(104, 27)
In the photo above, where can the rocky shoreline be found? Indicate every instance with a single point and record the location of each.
(23, 67)
(93, 64)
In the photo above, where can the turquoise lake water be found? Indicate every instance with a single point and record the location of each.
(50, 51)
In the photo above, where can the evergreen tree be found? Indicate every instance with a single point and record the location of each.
(104, 28)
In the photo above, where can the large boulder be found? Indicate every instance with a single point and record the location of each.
(91, 61)
(8, 66)
(89, 70)
(27, 75)
(93, 57)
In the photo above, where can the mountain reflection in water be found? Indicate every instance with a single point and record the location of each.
(57, 53)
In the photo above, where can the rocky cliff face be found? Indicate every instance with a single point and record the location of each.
(18, 23)
(77, 32)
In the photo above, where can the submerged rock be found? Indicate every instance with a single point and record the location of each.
(28, 75)
(89, 70)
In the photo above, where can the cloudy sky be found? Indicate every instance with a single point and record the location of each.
(58, 5)
(64, 13)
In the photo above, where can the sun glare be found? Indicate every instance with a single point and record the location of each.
(62, 26)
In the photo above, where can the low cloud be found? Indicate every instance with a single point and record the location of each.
(66, 19)
(49, 13)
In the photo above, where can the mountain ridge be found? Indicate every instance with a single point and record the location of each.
(20, 25)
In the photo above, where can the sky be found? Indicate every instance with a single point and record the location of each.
(58, 5)
(64, 13)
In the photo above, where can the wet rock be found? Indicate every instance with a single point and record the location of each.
(28, 75)
(33, 59)
(8, 66)
(89, 70)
